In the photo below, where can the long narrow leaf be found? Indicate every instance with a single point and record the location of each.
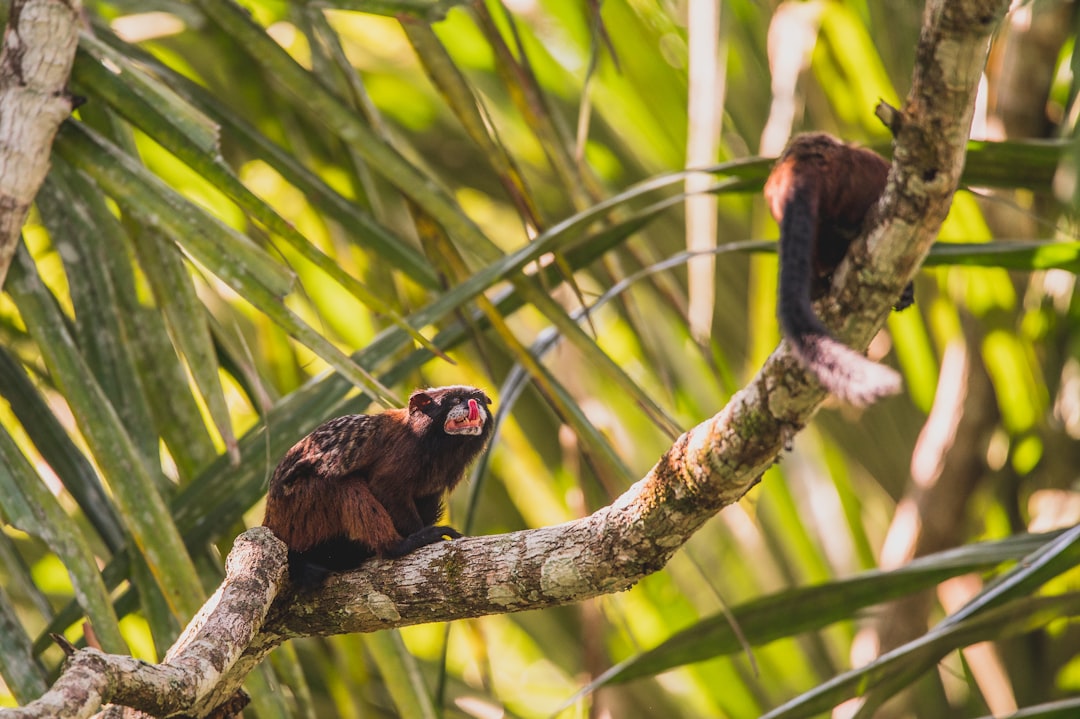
(315, 99)
(401, 673)
(133, 94)
(186, 319)
(56, 448)
(212, 243)
(134, 488)
(1014, 255)
(430, 10)
(1056, 557)
(376, 238)
(472, 115)
(92, 265)
(805, 609)
(916, 657)
(90, 224)
(30, 506)
(1064, 709)
(892, 672)
(21, 672)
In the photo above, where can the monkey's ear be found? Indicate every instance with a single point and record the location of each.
(419, 400)
(487, 400)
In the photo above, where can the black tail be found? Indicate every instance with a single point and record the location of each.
(840, 369)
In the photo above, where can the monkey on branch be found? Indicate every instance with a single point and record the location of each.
(822, 193)
(363, 486)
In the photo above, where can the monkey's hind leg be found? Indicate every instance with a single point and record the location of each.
(366, 530)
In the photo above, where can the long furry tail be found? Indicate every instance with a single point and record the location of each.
(843, 371)
(840, 369)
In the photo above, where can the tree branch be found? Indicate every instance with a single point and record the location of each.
(931, 134)
(39, 49)
(706, 469)
(189, 677)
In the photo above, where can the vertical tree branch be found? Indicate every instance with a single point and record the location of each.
(39, 48)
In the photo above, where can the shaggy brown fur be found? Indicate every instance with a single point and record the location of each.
(372, 485)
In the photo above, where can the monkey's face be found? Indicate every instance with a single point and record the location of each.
(461, 410)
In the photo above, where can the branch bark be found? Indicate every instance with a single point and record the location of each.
(706, 469)
(188, 680)
(39, 49)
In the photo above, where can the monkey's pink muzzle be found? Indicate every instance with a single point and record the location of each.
(465, 420)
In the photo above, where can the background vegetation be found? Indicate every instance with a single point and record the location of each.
(270, 214)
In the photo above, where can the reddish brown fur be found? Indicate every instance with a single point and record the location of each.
(362, 485)
(846, 183)
(822, 193)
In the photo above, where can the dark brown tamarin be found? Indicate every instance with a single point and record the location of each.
(363, 486)
(821, 192)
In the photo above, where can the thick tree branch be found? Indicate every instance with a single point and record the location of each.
(607, 551)
(708, 468)
(189, 677)
(39, 48)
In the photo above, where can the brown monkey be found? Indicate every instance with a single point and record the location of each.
(821, 192)
(361, 486)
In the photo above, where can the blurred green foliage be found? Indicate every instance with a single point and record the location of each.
(268, 214)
